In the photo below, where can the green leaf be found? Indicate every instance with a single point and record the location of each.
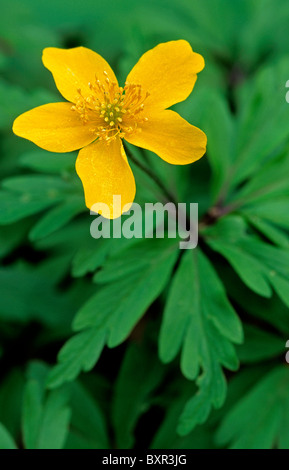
(37, 297)
(249, 268)
(32, 414)
(258, 264)
(45, 417)
(6, 440)
(219, 128)
(166, 436)
(11, 236)
(57, 218)
(15, 207)
(48, 162)
(138, 280)
(266, 185)
(256, 420)
(205, 327)
(111, 314)
(265, 33)
(27, 195)
(94, 252)
(37, 185)
(11, 395)
(269, 230)
(271, 311)
(88, 428)
(55, 421)
(80, 352)
(14, 100)
(281, 286)
(276, 261)
(257, 135)
(259, 345)
(274, 211)
(89, 258)
(139, 375)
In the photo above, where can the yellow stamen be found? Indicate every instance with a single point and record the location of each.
(107, 107)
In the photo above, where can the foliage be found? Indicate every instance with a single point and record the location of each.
(116, 343)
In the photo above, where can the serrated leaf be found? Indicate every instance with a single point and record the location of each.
(118, 306)
(124, 263)
(80, 352)
(250, 270)
(204, 328)
(258, 264)
(271, 311)
(276, 261)
(88, 259)
(166, 436)
(110, 315)
(93, 253)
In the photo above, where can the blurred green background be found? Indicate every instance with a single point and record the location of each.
(159, 352)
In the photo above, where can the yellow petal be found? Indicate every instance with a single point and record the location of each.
(167, 72)
(171, 138)
(54, 127)
(74, 69)
(105, 172)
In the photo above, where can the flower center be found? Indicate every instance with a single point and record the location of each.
(111, 110)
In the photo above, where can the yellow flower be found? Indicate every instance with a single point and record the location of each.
(100, 113)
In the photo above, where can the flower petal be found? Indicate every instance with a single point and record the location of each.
(73, 69)
(167, 72)
(54, 127)
(105, 172)
(171, 137)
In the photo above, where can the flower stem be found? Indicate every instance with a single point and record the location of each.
(211, 216)
(151, 174)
